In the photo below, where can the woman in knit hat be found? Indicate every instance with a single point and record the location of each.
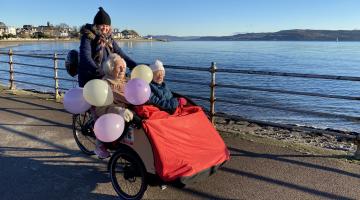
(95, 46)
(161, 96)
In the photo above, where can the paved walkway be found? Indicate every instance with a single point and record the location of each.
(39, 159)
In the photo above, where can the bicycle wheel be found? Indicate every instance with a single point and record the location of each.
(83, 132)
(127, 174)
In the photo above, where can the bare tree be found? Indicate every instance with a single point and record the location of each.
(63, 26)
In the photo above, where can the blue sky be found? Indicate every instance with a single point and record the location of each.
(190, 17)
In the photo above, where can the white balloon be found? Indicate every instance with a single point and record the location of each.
(110, 97)
(97, 92)
(143, 72)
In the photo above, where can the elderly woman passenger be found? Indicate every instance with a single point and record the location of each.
(114, 69)
(161, 96)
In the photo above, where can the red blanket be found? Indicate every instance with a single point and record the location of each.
(184, 143)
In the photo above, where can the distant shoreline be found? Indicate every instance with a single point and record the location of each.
(16, 42)
(283, 35)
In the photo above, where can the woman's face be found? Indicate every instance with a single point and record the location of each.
(119, 69)
(104, 29)
(158, 76)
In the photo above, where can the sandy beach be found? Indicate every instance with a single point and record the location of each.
(16, 42)
(4, 44)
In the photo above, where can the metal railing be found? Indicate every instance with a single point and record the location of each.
(212, 85)
(55, 77)
(280, 91)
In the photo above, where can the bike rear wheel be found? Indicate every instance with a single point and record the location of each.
(83, 125)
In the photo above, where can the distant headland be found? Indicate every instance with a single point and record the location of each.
(284, 35)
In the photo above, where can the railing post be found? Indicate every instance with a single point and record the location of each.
(357, 143)
(57, 96)
(212, 92)
(11, 70)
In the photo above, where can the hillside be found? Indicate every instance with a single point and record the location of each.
(173, 38)
(290, 35)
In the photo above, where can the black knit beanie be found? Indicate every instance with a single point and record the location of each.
(102, 17)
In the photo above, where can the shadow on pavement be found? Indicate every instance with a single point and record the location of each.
(28, 178)
(17, 100)
(295, 162)
(284, 184)
(58, 124)
(51, 170)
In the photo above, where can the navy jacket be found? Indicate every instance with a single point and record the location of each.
(88, 69)
(162, 97)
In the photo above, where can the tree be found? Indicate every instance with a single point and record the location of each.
(39, 35)
(11, 35)
(75, 29)
(63, 26)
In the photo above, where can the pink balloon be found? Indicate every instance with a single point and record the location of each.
(74, 101)
(137, 91)
(109, 127)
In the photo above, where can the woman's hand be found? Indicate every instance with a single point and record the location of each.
(127, 115)
(182, 101)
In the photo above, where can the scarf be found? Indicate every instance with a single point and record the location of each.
(118, 88)
(102, 42)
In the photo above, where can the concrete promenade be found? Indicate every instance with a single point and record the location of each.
(39, 160)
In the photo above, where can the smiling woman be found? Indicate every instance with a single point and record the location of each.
(95, 47)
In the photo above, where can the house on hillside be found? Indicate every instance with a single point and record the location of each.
(26, 31)
(148, 37)
(47, 31)
(7, 31)
(2, 28)
(130, 34)
(62, 33)
(10, 30)
(117, 34)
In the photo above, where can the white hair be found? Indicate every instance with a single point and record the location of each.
(109, 64)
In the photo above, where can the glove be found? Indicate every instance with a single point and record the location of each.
(127, 115)
(182, 101)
